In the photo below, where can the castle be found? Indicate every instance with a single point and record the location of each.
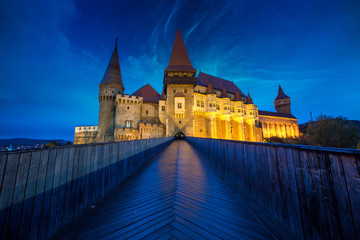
(198, 105)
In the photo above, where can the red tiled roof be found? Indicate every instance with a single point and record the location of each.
(249, 100)
(162, 97)
(275, 114)
(112, 73)
(237, 96)
(148, 93)
(281, 94)
(179, 59)
(224, 93)
(203, 79)
(210, 89)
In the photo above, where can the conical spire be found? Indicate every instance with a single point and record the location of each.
(179, 59)
(224, 93)
(237, 96)
(248, 99)
(162, 97)
(281, 94)
(112, 73)
(210, 89)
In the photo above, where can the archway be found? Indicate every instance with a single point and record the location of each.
(179, 135)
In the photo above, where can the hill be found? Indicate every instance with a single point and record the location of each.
(27, 143)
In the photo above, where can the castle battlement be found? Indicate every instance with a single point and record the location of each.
(127, 99)
(91, 128)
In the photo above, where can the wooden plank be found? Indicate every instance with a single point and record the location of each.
(87, 160)
(7, 190)
(30, 193)
(44, 220)
(39, 194)
(3, 158)
(69, 181)
(284, 188)
(55, 192)
(343, 201)
(80, 182)
(62, 188)
(352, 179)
(329, 200)
(295, 221)
(19, 195)
(74, 185)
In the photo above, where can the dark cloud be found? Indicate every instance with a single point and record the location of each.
(53, 54)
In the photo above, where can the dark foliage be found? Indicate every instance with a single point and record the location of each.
(332, 132)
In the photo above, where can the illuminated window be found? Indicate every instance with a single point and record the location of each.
(163, 108)
(128, 124)
(198, 103)
(232, 109)
(202, 104)
(179, 105)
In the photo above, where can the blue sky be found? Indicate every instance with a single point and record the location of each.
(54, 54)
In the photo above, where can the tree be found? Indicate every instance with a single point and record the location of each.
(332, 132)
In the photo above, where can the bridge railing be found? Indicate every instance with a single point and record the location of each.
(41, 191)
(314, 192)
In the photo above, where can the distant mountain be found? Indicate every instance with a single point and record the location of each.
(27, 143)
(303, 127)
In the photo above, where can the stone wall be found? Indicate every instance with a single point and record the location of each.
(312, 192)
(42, 191)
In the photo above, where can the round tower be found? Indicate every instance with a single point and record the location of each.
(110, 86)
(282, 102)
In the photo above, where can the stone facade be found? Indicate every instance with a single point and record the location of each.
(198, 105)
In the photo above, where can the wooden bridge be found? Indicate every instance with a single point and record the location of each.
(176, 196)
(193, 189)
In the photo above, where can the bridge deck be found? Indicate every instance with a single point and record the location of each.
(176, 196)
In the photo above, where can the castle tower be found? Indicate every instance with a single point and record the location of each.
(110, 85)
(179, 82)
(282, 102)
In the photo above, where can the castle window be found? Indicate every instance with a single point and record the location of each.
(179, 122)
(198, 103)
(163, 108)
(174, 91)
(179, 105)
(210, 104)
(128, 124)
(250, 113)
(238, 110)
(185, 91)
(202, 104)
(147, 112)
(232, 109)
(128, 107)
(244, 112)
(218, 107)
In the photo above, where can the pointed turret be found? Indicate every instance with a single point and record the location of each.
(224, 93)
(281, 94)
(210, 89)
(282, 102)
(113, 74)
(179, 59)
(248, 99)
(162, 97)
(110, 86)
(237, 96)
